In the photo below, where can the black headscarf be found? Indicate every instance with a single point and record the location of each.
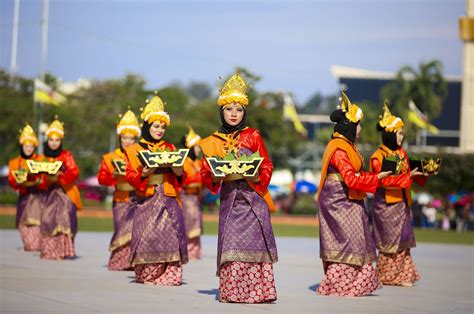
(146, 133)
(343, 125)
(227, 128)
(23, 155)
(389, 139)
(48, 152)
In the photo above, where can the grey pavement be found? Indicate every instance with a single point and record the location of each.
(84, 285)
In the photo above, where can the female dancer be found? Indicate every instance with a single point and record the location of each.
(346, 245)
(191, 193)
(158, 249)
(30, 200)
(128, 131)
(393, 231)
(246, 248)
(59, 218)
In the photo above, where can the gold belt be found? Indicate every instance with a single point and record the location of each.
(124, 186)
(155, 179)
(192, 190)
(334, 177)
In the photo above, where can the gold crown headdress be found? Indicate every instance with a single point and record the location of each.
(28, 136)
(55, 128)
(192, 138)
(129, 123)
(388, 121)
(155, 111)
(352, 112)
(234, 90)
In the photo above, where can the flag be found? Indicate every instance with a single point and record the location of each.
(420, 119)
(45, 94)
(289, 113)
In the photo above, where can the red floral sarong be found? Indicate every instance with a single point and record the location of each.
(119, 258)
(247, 282)
(397, 269)
(164, 274)
(57, 247)
(348, 280)
(31, 237)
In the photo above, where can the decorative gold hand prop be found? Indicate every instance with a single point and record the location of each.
(44, 166)
(159, 159)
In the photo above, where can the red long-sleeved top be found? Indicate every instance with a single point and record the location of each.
(218, 144)
(69, 171)
(362, 181)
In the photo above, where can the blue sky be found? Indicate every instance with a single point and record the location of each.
(291, 44)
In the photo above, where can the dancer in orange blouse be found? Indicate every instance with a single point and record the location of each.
(159, 247)
(29, 187)
(190, 194)
(59, 217)
(346, 245)
(111, 173)
(393, 230)
(246, 247)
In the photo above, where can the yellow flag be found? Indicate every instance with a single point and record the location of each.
(47, 95)
(419, 119)
(289, 113)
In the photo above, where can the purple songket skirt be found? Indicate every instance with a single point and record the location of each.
(344, 233)
(28, 210)
(158, 234)
(59, 214)
(392, 224)
(123, 223)
(120, 242)
(245, 230)
(192, 214)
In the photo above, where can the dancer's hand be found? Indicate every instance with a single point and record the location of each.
(383, 174)
(415, 172)
(147, 171)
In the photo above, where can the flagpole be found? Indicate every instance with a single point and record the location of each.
(44, 50)
(16, 17)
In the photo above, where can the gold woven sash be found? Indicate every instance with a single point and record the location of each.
(124, 186)
(155, 179)
(334, 177)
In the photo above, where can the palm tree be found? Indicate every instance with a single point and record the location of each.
(426, 87)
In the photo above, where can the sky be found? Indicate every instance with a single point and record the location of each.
(290, 44)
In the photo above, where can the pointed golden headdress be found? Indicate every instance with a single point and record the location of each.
(388, 121)
(352, 112)
(55, 129)
(28, 136)
(234, 90)
(129, 124)
(155, 111)
(192, 138)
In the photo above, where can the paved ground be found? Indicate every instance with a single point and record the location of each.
(83, 285)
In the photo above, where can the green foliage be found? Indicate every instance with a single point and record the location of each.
(8, 197)
(369, 134)
(305, 205)
(426, 87)
(91, 114)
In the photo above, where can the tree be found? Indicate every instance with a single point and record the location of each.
(90, 115)
(426, 87)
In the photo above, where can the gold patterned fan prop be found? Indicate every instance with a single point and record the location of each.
(163, 159)
(51, 168)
